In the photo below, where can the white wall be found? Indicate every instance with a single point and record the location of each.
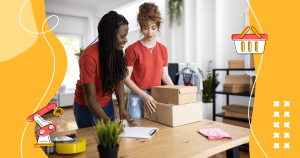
(229, 19)
(69, 25)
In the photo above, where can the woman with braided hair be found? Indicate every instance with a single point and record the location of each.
(102, 69)
(147, 62)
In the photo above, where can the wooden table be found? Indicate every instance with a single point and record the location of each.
(178, 142)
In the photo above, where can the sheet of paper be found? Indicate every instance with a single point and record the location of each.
(138, 132)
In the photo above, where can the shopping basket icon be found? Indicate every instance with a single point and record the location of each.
(249, 43)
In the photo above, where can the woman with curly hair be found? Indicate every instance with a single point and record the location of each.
(102, 71)
(147, 62)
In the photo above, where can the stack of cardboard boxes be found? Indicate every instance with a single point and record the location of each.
(236, 83)
(175, 106)
(237, 111)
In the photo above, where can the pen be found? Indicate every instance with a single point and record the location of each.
(118, 119)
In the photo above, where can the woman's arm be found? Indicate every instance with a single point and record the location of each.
(89, 91)
(165, 76)
(150, 102)
(121, 101)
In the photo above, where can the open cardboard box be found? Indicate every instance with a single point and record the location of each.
(176, 95)
(175, 115)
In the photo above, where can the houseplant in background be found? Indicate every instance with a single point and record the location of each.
(207, 93)
(174, 7)
(107, 138)
(78, 54)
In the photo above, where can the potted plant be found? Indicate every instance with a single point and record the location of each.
(207, 93)
(107, 138)
(207, 77)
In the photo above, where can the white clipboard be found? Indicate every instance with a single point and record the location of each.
(138, 132)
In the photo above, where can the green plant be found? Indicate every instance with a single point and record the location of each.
(79, 53)
(174, 7)
(107, 133)
(207, 77)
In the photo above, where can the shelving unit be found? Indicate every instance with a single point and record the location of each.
(227, 95)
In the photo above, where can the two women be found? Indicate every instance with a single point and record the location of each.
(104, 69)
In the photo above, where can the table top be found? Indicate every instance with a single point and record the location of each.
(181, 141)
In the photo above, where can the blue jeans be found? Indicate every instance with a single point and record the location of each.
(85, 118)
(136, 104)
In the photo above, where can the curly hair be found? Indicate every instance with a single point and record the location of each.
(148, 12)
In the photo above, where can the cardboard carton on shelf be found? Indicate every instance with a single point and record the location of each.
(236, 64)
(176, 95)
(252, 65)
(253, 79)
(250, 89)
(237, 79)
(175, 115)
(236, 88)
(236, 115)
(238, 108)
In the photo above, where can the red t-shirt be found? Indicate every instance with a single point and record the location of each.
(90, 73)
(147, 68)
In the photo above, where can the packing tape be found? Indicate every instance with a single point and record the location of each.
(71, 147)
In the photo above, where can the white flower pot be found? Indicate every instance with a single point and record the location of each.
(207, 111)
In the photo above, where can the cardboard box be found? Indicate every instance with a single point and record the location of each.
(238, 108)
(176, 95)
(236, 115)
(175, 115)
(250, 89)
(253, 79)
(252, 65)
(237, 79)
(236, 64)
(236, 88)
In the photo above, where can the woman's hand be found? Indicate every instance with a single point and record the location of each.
(150, 102)
(122, 129)
(124, 115)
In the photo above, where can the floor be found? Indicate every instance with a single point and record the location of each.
(67, 122)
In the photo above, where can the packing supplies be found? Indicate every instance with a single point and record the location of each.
(177, 95)
(236, 64)
(74, 147)
(175, 115)
(236, 88)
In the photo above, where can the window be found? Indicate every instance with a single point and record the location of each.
(72, 45)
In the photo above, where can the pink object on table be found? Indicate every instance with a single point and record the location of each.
(214, 133)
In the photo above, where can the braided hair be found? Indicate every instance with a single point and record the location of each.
(112, 62)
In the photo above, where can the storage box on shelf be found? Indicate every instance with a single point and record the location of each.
(246, 94)
(236, 64)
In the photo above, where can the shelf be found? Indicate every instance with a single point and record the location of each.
(232, 118)
(246, 94)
